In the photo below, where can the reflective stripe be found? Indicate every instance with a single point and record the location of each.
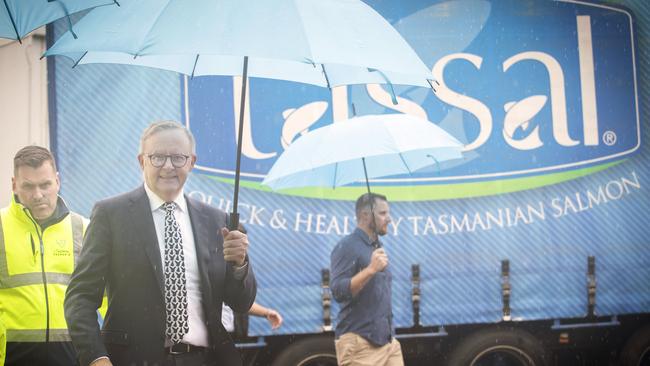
(37, 335)
(24, 279)
(23, 287)
(36, 278)
(4, 271)
(3, 342)
(77, 234)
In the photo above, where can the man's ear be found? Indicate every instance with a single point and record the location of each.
(365, 215)
(141, 161)
(58, 182)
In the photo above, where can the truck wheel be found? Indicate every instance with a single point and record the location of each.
(503, 347)
(315, 351)
(636, 351)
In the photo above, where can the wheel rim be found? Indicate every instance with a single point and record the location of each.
(502, 356)
(644, 360)
(322, 359)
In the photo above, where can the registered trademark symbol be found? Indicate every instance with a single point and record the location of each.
(609, 138)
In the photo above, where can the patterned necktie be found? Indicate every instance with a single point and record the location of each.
(175, 290)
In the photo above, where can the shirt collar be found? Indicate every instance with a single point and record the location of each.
(60, 212)
(155, 202)
(362, 234)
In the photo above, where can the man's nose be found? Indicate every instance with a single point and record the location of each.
(38, 194)
(168, 163)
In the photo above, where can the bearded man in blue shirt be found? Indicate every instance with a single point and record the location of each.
(361, 283)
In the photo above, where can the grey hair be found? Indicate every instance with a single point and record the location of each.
(164, 125)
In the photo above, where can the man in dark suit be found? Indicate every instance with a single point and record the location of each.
(167, 263)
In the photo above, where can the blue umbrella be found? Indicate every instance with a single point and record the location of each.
(360, 148)
(19, 17)
(327, 43)
(324, 75)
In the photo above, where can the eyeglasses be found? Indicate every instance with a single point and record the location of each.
(158, 160)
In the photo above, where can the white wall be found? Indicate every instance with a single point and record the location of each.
(23, 102)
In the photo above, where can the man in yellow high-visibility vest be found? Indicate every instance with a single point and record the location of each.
(40, 240)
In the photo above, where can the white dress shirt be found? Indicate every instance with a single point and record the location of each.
(228, 318)
(198, 333)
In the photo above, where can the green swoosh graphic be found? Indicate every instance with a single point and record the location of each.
(435, 191)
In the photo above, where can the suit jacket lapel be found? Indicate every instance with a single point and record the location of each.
(145, 233)
(202, 237)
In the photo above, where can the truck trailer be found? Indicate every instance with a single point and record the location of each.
(533, 249)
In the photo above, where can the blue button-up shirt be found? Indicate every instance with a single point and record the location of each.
(367, 314)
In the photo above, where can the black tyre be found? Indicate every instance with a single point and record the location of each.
(499, 347)
(315, 351)
(636, 351)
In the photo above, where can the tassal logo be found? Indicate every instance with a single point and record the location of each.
(554, 100)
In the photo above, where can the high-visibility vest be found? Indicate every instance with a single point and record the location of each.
(3, 343)
(35, 268)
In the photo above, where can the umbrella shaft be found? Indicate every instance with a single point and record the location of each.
(372, 201)
(235, 216)
(365, 171)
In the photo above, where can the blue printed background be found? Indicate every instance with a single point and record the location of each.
(100, 111)
(493, 31)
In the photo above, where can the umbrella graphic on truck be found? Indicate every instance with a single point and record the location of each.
(361, 148)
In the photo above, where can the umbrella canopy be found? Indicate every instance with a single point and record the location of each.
(324, 75)
(327, 43)
(19, 17)
(338, 154)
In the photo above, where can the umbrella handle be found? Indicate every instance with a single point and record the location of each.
(233, 223)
